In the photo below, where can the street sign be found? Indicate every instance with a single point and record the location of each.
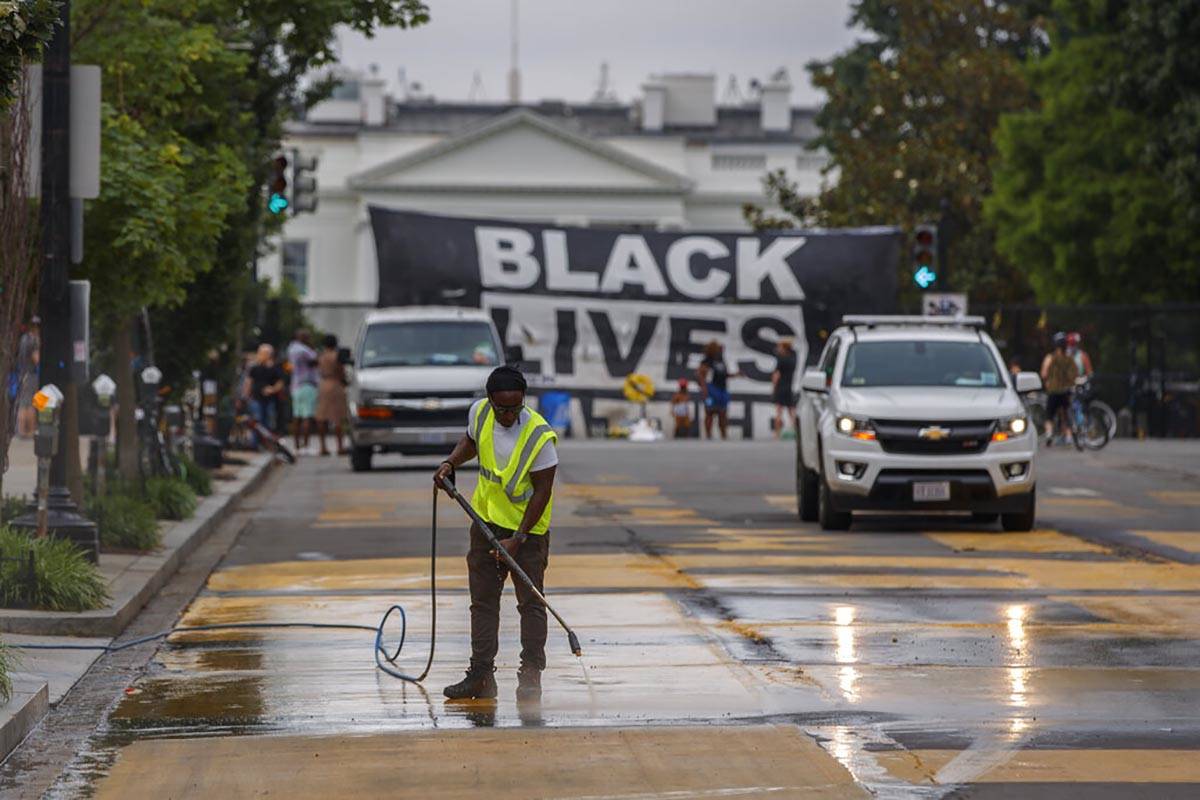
(85, 130)
(943, 304)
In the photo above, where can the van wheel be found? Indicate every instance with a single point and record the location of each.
(830, 518)
(806, 489)
(1021, 521)
(360, 459)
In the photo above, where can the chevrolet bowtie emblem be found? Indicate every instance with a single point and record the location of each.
(934, 433)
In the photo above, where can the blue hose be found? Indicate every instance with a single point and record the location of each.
(383, 660)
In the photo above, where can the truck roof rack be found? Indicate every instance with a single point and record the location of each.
(877, 320)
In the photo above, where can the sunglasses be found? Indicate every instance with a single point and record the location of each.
(499, 409)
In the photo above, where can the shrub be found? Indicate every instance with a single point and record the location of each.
(12, 507)
(6, 666)
(172, 498)
(62, 580)
(196, 476)
(125, 520)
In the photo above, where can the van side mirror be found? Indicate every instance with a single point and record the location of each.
(514, 354)
(344, 356)
(814, 381)
(1028, 382)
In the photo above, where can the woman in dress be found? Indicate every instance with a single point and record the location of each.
(331, 395)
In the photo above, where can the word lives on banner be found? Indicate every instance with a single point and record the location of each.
(589, 306)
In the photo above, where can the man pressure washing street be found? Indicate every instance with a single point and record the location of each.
(514, 495)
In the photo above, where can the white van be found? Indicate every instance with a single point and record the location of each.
(416, 372)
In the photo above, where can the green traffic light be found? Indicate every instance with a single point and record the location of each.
(277, 204)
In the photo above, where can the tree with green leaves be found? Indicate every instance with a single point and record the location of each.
(196, 92)
(25, 28)
(1095, 188)
(908, 127)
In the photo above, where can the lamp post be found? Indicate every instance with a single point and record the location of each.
(62, 519)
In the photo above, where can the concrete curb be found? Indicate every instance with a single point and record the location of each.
(29, 703)
(134, 587)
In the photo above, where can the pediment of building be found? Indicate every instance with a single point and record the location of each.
(520, 151)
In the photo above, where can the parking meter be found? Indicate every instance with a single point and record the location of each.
(48, 402)
(105, 389)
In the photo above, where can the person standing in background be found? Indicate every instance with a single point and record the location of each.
(28, 357)
(681, 410)
(332, 408)
(783, 384)
(303, 359)
(713, 377)
(264, 383)
(1083, 362)
(1058, 378)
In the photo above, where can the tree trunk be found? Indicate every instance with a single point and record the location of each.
(127, 440)
(69, 441)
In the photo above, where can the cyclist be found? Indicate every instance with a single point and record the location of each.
(1058, 378)
(1083, 363)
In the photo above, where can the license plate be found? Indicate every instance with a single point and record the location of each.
(931, 492)
(433, 437)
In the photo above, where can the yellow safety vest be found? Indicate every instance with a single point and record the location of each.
(503, 492)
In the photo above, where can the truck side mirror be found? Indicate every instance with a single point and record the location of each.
(1028, 382)
(344, 356)
(814, 381)
(514, 354)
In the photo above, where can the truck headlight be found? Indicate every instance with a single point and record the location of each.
(1009, 427)
(855, 427)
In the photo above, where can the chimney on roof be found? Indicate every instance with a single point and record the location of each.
(374, 100)
(776, 100)
(679, 101)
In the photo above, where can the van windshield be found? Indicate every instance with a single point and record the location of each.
(429, 344)
(921, 363)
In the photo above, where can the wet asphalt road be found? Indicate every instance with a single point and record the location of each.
(730, 650)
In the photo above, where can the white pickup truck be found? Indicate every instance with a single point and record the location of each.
(914, 414)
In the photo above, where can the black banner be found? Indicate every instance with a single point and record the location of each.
(591, 305)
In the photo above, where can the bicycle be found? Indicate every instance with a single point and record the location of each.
(265, 436)
(1087, 421)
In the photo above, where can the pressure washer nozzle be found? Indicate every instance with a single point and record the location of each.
(574, 642)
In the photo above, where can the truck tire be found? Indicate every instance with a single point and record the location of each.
(830, 518)
(1021, 521)
(360, 459)
(806, 488)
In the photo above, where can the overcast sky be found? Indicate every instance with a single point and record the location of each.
(563, 43)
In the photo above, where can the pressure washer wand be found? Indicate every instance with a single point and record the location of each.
(452, 490)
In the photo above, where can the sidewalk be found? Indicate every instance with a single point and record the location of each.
(42, 678)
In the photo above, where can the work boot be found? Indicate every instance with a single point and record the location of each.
(529, 684)
(480, 683)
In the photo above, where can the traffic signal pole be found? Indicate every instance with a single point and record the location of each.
(54, 300)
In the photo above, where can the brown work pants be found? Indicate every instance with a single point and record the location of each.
(487, 578)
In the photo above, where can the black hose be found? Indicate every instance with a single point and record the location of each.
(383, 661)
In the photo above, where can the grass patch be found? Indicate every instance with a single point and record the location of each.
(196, 476)
(126, 521)
(172, 498)
(62, 580)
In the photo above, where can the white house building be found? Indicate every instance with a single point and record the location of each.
(675, 160)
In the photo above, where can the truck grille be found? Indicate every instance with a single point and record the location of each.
(434, 418)
(957, 438)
